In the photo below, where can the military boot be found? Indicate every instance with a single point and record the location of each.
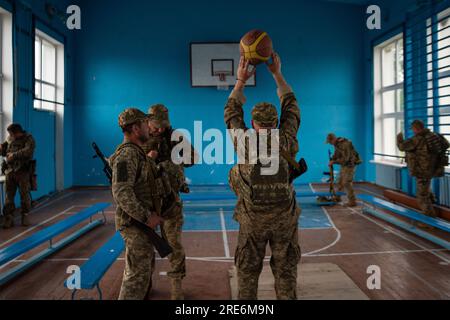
(176, 292)
(8, 222)
(25, 220)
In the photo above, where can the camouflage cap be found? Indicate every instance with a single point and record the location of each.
(418, 124)
(330, 137)
(130, 116)
(159, 114)
(265, 114)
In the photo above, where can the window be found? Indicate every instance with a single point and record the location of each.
(443, 47)
(388, 98)
(427, 76)
(6, 72)
(48, 73)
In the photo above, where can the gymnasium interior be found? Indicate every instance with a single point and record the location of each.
(363, 70)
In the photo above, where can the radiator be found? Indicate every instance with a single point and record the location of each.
(444, 190)
(389, 176)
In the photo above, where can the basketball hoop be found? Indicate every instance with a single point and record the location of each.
(222, 75)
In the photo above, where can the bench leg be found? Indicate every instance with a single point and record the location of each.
(74, 292)
(104, 216)
(100, 295)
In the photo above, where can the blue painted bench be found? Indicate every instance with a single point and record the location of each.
(407, 213)
(8, 254)
(92, 271)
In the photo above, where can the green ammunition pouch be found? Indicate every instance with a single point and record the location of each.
(161, 192)
(174, 174)
(263, 190)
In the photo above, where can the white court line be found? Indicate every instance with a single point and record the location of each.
(338, 237)
(224, 234)
(54, 200)
(373, 253)
(25, 232)
(228, 230)
(368, 191)
(400, 235)
(267, 258)
(36, 226)
(45, 205)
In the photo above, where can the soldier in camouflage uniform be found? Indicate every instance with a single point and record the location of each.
(423, 163)
(266, 209)
(159, 147)
(18, 150)
(347, 157)
(133, 174)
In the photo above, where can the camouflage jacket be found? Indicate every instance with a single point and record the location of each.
(22, 151)
(245, 209)
(133, 175)
(345, 153)
(421, 162)
(164, 145)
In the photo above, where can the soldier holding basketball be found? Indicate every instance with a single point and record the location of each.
(266, 209)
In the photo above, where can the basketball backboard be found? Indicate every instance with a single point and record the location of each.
(215, 65)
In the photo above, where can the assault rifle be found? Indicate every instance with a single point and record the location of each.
(334, 197)
(296, 168)
(161, 245)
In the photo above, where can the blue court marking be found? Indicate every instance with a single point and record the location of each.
(202, 221)
(313, 216)
(205, 215)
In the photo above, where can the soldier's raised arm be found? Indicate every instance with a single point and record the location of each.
(234, 114)
(290, 112)
(125, 167)
(406, 145)
(26, 152)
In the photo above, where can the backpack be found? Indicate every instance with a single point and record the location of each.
(438, 145)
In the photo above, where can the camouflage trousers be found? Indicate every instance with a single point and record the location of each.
(139, 264)
(250, 253)
(172, 232)
(346, 182)
(425, 197)
(14, 181)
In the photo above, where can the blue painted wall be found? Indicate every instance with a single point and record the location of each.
(41, 124)
(136, 53)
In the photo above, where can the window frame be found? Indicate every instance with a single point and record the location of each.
(47, 39)
(380, 153)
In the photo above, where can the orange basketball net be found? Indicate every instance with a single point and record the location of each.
(222, 75)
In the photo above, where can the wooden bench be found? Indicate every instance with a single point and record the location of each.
(8, 254)
(406, 213)
(92, 271)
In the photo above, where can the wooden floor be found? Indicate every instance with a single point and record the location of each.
(411, 268)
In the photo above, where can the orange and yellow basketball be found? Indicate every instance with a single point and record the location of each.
(256, 46)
